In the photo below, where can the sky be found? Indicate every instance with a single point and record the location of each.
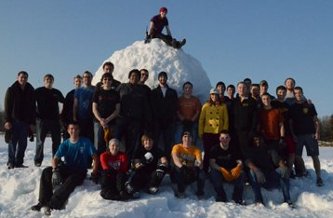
(259, 39)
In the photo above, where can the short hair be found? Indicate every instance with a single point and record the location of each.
(88, 72)
(75, 123)
(24, 73)
(220, 83)
(145, 70)
(289, 78)
(187, 83)
(231, 86)
(108, 63)
(280, 88)
(49, 76)
(77, 77)
(145, 137)
(107, 75)
(224, 131)
(136, 71)
(162, 73)
(241, 82)
(298, 88)
(114, 141)
(255, 85)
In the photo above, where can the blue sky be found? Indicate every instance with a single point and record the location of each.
(267, 39)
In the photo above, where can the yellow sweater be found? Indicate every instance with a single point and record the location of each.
(213, 119)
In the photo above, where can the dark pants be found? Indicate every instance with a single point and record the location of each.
(168, 40)
(217, 180)
(17, 143)
(273, 180)
(43, 127)
(87, 128)
(112, 184)
(208, 140)
(56, 199)
(167, 134)
(185, 177)
(143, 178)
(131, 130)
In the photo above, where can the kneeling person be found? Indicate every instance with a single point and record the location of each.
(150, 166)
(187, 167)
(59, 181)
(226, 167)
(114, 175)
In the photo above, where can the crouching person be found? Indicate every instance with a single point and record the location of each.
(114, 168)
(226, 166)
(263, 173)
(187, 167)
(150, 166)
(59, 181)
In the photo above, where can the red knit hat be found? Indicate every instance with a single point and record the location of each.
(164, 9)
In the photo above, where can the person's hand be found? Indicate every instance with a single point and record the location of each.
(8, 125)
(226, 174)
(236, 171)
(56, 178)
(94, 177)
(260, 176)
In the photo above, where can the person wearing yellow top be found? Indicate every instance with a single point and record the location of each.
(213, 119)
(187, 167)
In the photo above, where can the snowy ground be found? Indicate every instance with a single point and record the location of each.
(19, 191)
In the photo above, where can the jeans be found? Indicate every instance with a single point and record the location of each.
(18, 143)
(42, 128)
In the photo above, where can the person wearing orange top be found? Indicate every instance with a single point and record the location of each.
(115, 166)
(187, 167)
(213, 119)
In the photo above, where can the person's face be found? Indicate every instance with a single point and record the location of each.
(188, 89)
(213, 97)
(108, 69)
(86, 79)
(73, 130)
(220, 89)
(290, 85)
(230, 91)
(266, 100)
(298, 94)
(224, 139)
(134, 78)
(163, 14)
(281, 94)
(148, 143)
(162, 80)
(77, 82)
(48, 82)
(263, 88)
(114, 148)
(143, 76)
(255, 91)
(242, 89)
(106, 81)
(187, 140)
(22, 79)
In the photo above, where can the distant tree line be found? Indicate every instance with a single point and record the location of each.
(326, 127)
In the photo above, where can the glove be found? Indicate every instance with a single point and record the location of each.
(260, 176)
(236, 171)
(161, 170)
(283, 171)
(56, 178)
(226, 174)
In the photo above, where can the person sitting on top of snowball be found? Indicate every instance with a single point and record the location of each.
(157, 24)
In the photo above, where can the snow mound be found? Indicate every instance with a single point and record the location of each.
(156, 56)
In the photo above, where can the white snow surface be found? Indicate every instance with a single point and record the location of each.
(156, 56)
(19, 191)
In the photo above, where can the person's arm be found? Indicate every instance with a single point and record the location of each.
(168, 31)
(114, 114)
(316, 122)
(151, 28)
(55, 162)
(213, 165)
(75, 108)
(95, 164)
(176, 159)
(96, 112)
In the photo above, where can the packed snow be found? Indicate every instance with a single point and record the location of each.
(19, 191)
(156, 56)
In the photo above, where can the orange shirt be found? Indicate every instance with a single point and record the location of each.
(187, 155)
(270, 123)
(188, 107)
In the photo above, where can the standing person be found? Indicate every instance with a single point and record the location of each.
(244, 118)
(264, 89)
(82, 108)
(150, 165)
(231, 92)
(106, 107)
(20, 113)
(108, 67)
(271, 126)
(305, 129)
(164, 105)
(48, 118)
(59, 181)
(189, 108)
(226, 166)
(290, 83)
(67, 109)
(144, 74)
(263, 173)
(157, 24)
(255, 92)
(187, 167)
(213, 119)
(115, 166)
(135, 112)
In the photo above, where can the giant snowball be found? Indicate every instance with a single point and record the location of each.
(156, 56)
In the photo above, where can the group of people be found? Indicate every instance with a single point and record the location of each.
(252, 136)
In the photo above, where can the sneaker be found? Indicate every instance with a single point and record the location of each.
(152, 190)
(319, 182)
(290, 204)
(38, 164)
(10, 166)
(182, 43)
(47, 211)
(37, 207)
